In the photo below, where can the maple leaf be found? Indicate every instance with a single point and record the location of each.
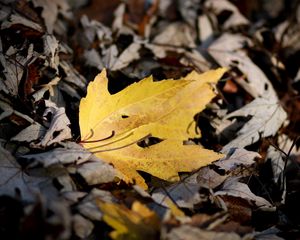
(138, 223)
(163, 109)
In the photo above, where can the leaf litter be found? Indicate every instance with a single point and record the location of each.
(142, 174)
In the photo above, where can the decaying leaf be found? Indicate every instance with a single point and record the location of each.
(228, 51)
(59, 126)
(234, 162)
(164, 110)
(82, 226)
(194, 233)
(233, 187)
(51, 10)
(93, 170)
(67, 154)
(15, 19)
(14, 66)
(88, 207)
(235, 17)
(24, 183)
(97, 172)
(33, 132)
(177, 38)
(185, 193)
(267, 117)
(138, 223)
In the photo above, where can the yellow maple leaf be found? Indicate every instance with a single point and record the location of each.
(163, 109)
(138, 223)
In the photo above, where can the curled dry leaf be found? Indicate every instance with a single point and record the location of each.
(51, 10)
(15, 19)
(93, 170)
(232, 187)
(69, 153)
(164, 110)
(32, 133)
(185, 193)
(194, 233)
(96, 171)
(88, 207)
(25, 183)
(59, 129)
(228, 51)
(235, 18)
(234, 161)
(13, 68)
(267, 117)
(82, 226)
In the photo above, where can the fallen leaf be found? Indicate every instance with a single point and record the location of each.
(234, 19)
(232, 187)
(267, 117)
(205, 28)
(268, 234)
(14, 65)
(97, 172)
(228, 51)
(194, 233)
(15, 19)
(82, 226)
(162, 109)
(239, 157)
(72, 81)
(138, 223)
(67, 154)
(51, 51)
(234, 162)
(33, 132)
(176, 34)
(185, 193)
(59, 129)
(51, 10)
(277, 161)
(25, 183)
(178, 38)
(88, 207)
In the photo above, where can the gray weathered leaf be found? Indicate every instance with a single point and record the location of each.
(95, 171)
(130, 54)
(267, 117)
(235, 18)
(51, 51)
(94, 29)
(18, 19)
(88, 207)
(240, 157)
(184, 193)
(234, 160)
(14, 65)
(228, 51)
(232, 187)
(27, 183)
(194, 233)
(82, 226)
(70, 153)
(268, 234)
(59, 129)
(33, 132)
(50, 11)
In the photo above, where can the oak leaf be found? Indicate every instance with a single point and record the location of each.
(163, 110)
